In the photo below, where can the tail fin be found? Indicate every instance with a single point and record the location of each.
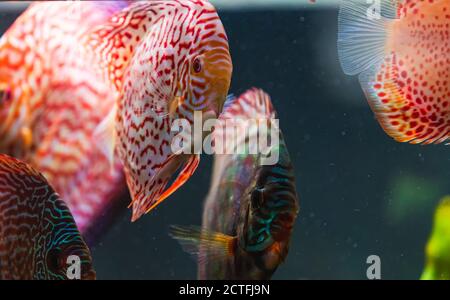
(204, 244)
(362, 34)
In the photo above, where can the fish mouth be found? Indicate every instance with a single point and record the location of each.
(16, 136)
(222, 86)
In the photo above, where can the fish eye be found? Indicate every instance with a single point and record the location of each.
(197, 65)
(53, 260)
(257, 197)
(5, 95)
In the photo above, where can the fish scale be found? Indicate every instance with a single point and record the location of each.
(135, 59)
(49, 73)
(147, 52)
(250, 209)
(404, 65)
(37, 230)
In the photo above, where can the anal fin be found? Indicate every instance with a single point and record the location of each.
(189, 168)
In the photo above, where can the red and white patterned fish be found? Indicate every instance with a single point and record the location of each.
(152, 62)
(402, 51)
(52, 99)
(167, 59)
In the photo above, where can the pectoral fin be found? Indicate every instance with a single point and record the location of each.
(105, 136)
(173, 105)
(204, 244)
(27, 137)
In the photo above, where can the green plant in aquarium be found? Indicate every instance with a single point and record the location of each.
(437, 251)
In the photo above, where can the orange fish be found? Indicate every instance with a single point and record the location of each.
(81, 74)
(166, 59)
(401, 49)
(51, 101)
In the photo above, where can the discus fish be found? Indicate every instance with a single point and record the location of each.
(166, 59)
(251, 208)
(38, 234)
(401, 50)
(437, 265)
(52, 98)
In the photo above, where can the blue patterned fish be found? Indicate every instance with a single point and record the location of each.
(38, 235)
(251, 207)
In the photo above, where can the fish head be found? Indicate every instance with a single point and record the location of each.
(14, 135)
(261, 251)
(65, 254)
(269, 215)
(208, 67)
(63, 259)
(17, 94)
(169, 77)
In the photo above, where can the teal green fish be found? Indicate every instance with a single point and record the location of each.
(251, 207)
(38, 235)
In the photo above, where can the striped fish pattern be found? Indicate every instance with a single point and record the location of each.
(76, 94)
(52, 100)
(37, 230)
(250, 209)
(166, 59)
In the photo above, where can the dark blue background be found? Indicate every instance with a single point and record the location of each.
(361, 193)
